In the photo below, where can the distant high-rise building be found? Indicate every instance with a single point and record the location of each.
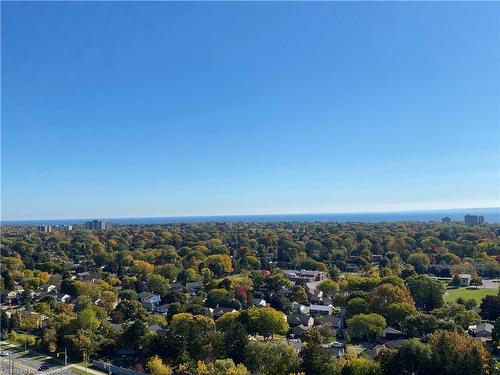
(95, 225)
(45, 228)
(64, 228)
(472, 220)
(446, 219)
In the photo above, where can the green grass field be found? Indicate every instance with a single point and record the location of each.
(78, 371)
(476, 294)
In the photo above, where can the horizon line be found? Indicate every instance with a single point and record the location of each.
(269, 214)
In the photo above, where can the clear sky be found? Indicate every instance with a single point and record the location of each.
(163, 109)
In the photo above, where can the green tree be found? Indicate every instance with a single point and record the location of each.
(219, 264)
(4, 322)
(300, 295)
(387, 294)
(158, 284)
(235, 341)
(366, 326)
(157, 367)
(356, 306)
(397, 312)
(458, 354)
(419, 261)
(87, 319)
(456, 281)
(216, 296)
(420, 324)
(265, 321)
(361, 366)
(278, 280)
(458, 314)
(271, 358)
(315, 360)
(412, 357)
(132, 310)
(427, 293)
(490, 307)
(128, 294)
(220, 367)
(133, 334)
(328, 286)
(194, 334)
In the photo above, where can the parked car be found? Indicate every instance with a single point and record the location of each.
(3, 354)
(43, 368)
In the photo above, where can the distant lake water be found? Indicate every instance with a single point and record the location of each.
(491, 215)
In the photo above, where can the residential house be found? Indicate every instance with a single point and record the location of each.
(391, 333)
(51, 289)
(295, 320)
(259, 302)
(150, 301)
(299, 330)
(155, 328)
(84, 276)
(39, 320)
(315, 297)
(334, 349)
(285, 292)
(338, 322)
(321, 310)
(297, 308)
(465, 279)
(484, 330)
(219, 311)
(18, 288)
(303, 277)
(64, 298)
(163, 309)
(11, 297)
(194, 288)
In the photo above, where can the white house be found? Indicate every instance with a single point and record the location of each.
(259, 302)
(51, 289)
(64, 298)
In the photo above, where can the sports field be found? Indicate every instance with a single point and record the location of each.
(476, 294)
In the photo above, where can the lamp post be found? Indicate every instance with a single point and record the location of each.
(25, 339)
(84, 358)
(65, 356)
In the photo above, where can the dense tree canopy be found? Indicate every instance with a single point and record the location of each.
(226, 293)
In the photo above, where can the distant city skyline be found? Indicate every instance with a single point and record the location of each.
(157, 109)
(488, 214)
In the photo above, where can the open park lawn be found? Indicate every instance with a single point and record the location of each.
(477, 294)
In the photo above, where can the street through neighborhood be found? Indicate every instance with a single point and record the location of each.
(18, 361)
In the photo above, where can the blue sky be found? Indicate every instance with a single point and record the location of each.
(163, 109)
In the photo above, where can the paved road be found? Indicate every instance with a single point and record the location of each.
(26, 364)
(490, 283)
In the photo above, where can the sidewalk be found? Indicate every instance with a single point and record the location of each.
(85, 369)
